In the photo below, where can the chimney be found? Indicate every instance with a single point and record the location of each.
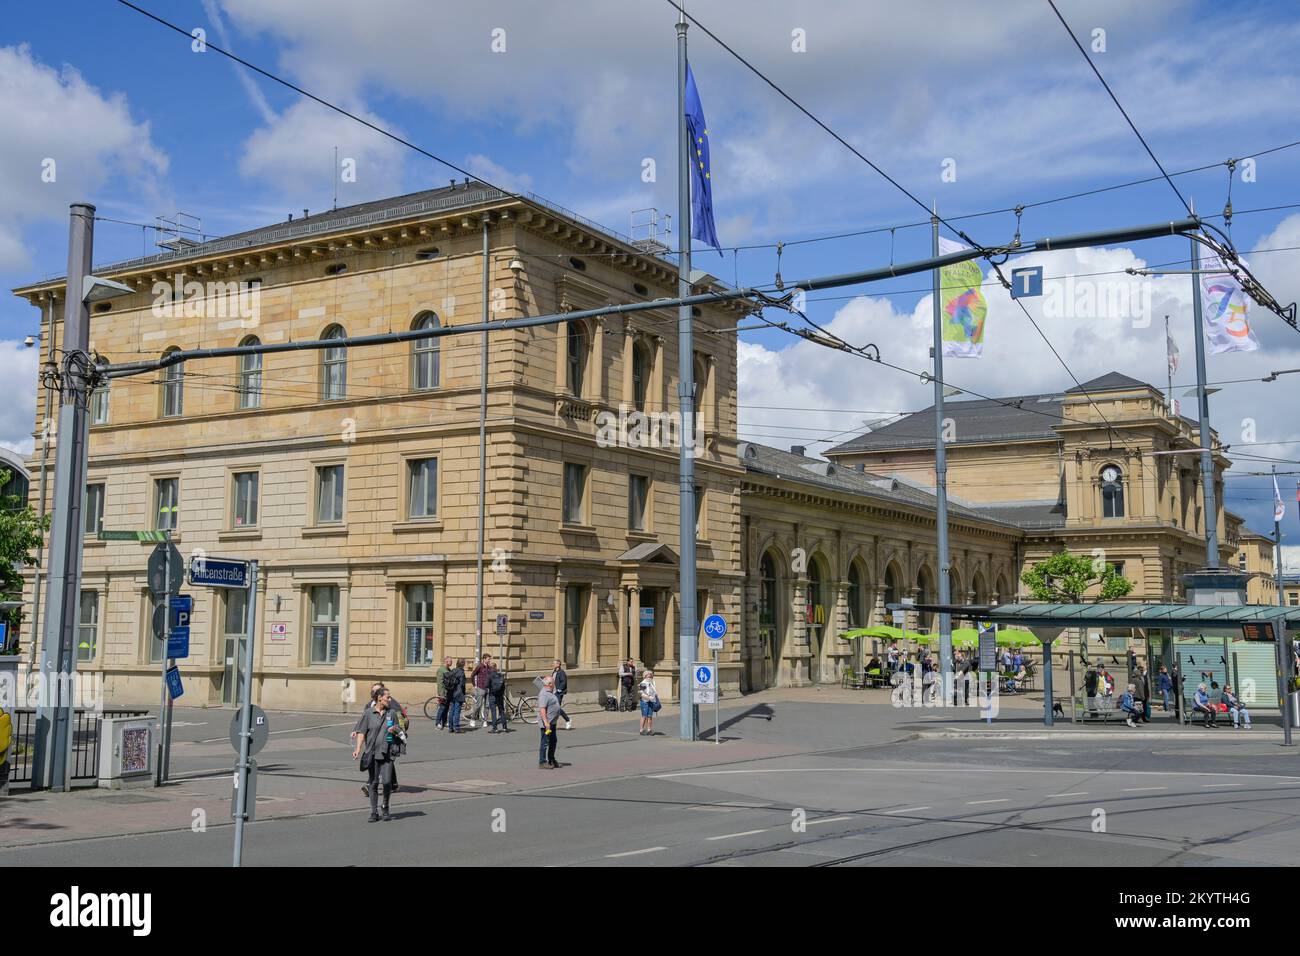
(304, 214)
(291, 217)
(798, 450)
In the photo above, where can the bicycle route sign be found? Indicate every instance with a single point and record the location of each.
(715, 629)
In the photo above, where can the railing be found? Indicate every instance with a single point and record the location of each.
(85, 741)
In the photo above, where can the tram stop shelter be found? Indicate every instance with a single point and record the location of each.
(1257, 623)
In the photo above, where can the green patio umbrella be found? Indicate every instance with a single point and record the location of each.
(880, 630)
(969, 637)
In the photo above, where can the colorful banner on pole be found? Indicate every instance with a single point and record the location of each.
(1279, 509)
(1226, 310)
(962, 305)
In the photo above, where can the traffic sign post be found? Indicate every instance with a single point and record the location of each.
(164, 575)
(220, 572)
(715, 629)
(245, 773)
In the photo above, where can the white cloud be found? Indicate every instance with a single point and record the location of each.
(18, 365)
(54, 115)
(484, 168)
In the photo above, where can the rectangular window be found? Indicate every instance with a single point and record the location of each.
(99, 406)
(575, 612)
(1293, 600)
(329, 494)
(250, 381)
(235, 620)
(419, 625)
(173, 390)
(88, 626)
(575, 482)
(166, 496)
(638, 492)
(325, 624)
(244, 506)
(423, 501)
(92, 509)
(1241, 561)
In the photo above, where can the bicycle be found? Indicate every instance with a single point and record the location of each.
(520, 708)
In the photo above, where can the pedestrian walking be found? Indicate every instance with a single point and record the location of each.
(496, 689)
(380, 742)
(1142, 691)
(649, 703)
(479, 678)
(453, 685)
(548, 714)
(444, 702)
(399, 713)
(561, 688)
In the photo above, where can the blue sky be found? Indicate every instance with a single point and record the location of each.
(141, 125)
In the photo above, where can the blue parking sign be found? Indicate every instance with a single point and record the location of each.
(174, 687)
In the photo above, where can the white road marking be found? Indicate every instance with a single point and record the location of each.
(1136, 789)
(1076, 793)
(905, 810)
(813, 823)
(1220, 785)
(1000, 771)
(649, 849)
(971, 803)
(729, 836)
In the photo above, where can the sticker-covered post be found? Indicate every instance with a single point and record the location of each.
(246, 713)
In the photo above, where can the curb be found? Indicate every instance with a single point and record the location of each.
(1059, 736)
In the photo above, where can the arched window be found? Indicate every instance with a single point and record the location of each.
(891, 586)
(641, 363)
(1112, 492)
(334, 367)
(426, 368)
(250, 376)
(925, 595)
(173, 387)
(577, 356)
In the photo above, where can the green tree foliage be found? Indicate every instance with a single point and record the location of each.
(21, 536)
(1064, 578)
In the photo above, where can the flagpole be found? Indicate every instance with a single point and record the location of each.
(1284, 652)
(941, 476)
(687, 625)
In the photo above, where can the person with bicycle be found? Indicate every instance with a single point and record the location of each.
(649, 704)
(444, 704)
(496, 691)
(453, 686)
(479, 675)
(561, 688)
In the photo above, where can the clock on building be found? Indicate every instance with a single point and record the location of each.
(1110, 473)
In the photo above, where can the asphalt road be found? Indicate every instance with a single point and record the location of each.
(848, 796)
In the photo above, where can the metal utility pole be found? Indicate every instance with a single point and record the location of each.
(1169, 368)
(58, 658)
(940, 475)
(1203, 412)
(244, 769)
(46, 429)
(482, 460)
(687, 626)
(1284, 656)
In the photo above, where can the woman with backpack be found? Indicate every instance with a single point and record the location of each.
(496, 689)
(398, 712)
(453, 685)
(649, 703)
(380, 741)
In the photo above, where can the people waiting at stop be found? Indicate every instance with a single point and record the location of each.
(1201, 704)
(1131, 706)
(1235, 707)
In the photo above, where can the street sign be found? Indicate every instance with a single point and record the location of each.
(503, 623)
(219, 572)
(1026, 282)
(900, 617)
(647, 617)
(178, 644)
(715, 629)
(259, 725)
(132, 535)
(704, 684)
(988, 647)
(165, 579)
(174, 682)
(536, 615)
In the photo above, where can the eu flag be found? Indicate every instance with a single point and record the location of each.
(697, 129)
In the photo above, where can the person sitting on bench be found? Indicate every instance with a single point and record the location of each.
(1131, 706)
(1235, 708)
(1201, 704)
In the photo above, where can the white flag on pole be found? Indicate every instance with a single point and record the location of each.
(1171, 350)
(1279, 509)
(1227, 309)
